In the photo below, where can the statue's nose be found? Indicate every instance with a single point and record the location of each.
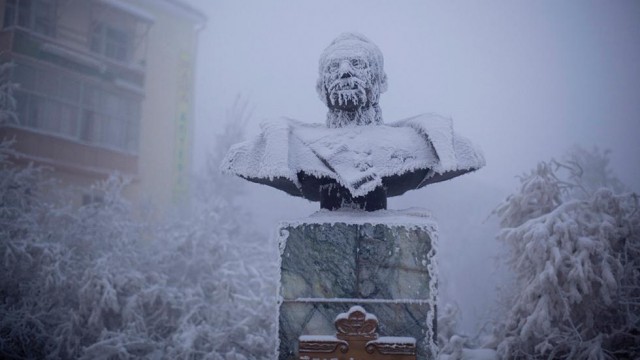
(345, 70)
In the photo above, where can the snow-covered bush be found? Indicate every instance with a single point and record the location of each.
(455, 346)
(102, 281)
(573, 239)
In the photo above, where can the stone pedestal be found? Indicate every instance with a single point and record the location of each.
(382, 261)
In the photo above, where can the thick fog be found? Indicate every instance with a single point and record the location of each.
(524, 80)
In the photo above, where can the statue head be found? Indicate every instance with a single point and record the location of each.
(351, 79)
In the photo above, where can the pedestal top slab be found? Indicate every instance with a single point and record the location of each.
(407, 217)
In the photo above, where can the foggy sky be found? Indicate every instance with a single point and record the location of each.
(524, 80)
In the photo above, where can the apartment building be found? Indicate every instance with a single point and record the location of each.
(105, 86)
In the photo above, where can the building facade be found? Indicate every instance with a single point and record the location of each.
(104, 86)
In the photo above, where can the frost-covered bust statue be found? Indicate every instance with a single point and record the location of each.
(355, 160)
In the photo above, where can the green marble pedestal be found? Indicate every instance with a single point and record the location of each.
(382, 261)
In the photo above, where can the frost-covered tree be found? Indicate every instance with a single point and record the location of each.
(236, 318)
(455, 346)
(102, 282)
(573, 239)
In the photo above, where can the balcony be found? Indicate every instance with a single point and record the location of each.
(67, 155)
(28, 43)
(100, 38)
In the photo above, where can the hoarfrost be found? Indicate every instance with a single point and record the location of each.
(350, 80)
(96, 282)
(358, 158)
(574, 247)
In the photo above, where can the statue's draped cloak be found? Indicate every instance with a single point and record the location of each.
(298, 158)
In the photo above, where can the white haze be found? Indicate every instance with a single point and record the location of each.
(523, 80)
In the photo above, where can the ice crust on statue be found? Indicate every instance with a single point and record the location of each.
(358, 158)
(355, 149)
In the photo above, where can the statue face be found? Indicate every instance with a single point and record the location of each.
(348, 81)
(351, 73)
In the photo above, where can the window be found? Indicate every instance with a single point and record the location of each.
(37, 15)
(88, 199)
(59, 103)
(89, 126)
(10, 11)
(112, 42)
(68, 119)
(110, 118)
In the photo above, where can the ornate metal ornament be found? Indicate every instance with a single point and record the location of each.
(356, 339)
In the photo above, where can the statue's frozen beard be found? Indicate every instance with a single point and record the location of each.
(347, 94)
(352, 98)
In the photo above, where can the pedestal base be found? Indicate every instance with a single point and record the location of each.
(382, 261)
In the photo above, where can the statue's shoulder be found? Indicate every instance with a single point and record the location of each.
(455, 152)
(264, 155)
(426, 123)
(284, 122)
